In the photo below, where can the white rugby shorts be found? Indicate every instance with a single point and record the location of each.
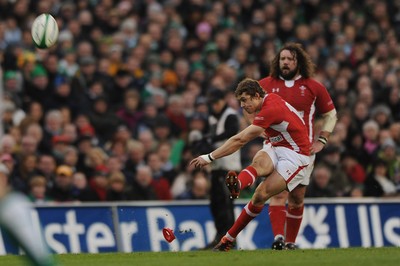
(295, 168)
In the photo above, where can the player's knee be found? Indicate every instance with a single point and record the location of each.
(259, 197)
(296, 197)
(296, 201)
(263, 169)
(279, 199)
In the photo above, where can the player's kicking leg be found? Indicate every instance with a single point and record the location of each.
(262, 165)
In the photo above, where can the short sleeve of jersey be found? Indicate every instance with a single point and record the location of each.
(323, 101)
(264, 118)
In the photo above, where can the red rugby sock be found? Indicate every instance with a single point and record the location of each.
(293, 221)
(277, 216)
(248, 213)
(247, 177)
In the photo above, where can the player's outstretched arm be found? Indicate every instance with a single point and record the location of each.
(230, 146)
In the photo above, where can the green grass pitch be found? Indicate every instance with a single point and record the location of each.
(308, 257)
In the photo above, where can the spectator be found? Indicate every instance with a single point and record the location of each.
(95, 157)
(103, 120)
(382, 115)
(118, 148)
(198, 121)
(164, 152)
(63, 96)
(29, 146)
(181, 182)
(172, 146)
(86, 75)
(95, 89)
(130, 112)
(360, 116)
(36, 131)
(70, 157)
(8, 161)
(59, 145)
(68, 65)
(353, 169)
(52, 127)
(26, 169)
(38, 189)
(35, 114)
(12, 115)
(142, 188)
(378, 184)
(198, 187)
(148, 119)
(320, 183)
(162, 129)
(188, 100)
(390, 156)
(8, 144)
(371, 143)
(123, 82)
(147, 138)
(13, 88)
(84, 145)
(81, 188)
(136, 157)
(62, 190)
(116, 187)
(70, 130)
(99, 182)
(47, 166)
(394, 103)
(114, 164)
(176, 115)
(340, 182)
(395, 134)
(39, 88)
(161, 179)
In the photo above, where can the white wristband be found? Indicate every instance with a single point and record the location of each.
(207, 157)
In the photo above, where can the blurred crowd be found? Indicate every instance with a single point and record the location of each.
(114, 110)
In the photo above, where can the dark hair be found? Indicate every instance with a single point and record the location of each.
(249, 86)
(304, 63)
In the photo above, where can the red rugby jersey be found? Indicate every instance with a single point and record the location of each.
(283, 124)
(307, 95)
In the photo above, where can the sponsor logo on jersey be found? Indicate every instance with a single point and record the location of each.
(275, 90)
(258, 118)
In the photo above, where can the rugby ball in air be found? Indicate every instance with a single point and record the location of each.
(44, 31)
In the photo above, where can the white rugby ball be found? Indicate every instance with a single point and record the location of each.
(44, 31)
